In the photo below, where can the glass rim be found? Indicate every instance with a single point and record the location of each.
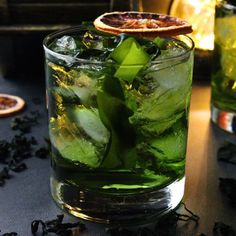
(228, 6)
(74, 59)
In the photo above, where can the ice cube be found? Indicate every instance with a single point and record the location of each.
(171, 52)
(171, 75)
(92, 40)
(64, 49)
(66, 43)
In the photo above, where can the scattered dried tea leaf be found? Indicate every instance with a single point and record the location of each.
(24, 123)
(42, 153)
(16, 167)
(36, 224)
(228, 188)
(221, 229)
(10, 234)
(56, 226)
(166, 226)
(4, 150)
(227, 153)
(21, 147)
(4, 174)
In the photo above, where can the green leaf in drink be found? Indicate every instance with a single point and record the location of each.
(115, 116)
(72, 148)
(160, 42)
(171, 146)
(131, 58)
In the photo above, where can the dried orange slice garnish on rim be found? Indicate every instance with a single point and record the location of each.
(142, 23)
(10, 104)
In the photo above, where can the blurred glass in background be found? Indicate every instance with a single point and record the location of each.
(199, 13)
(223, 100)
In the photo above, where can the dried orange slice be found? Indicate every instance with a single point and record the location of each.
(142, 23)
(10, 104)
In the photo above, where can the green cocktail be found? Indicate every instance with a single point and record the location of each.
(118, 122)
(224, 70)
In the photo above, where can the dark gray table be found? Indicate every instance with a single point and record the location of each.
(26, 196)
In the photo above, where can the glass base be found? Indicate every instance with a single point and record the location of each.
(226, 120)
(129, 209)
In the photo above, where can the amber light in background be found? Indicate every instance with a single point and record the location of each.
(154, 6)
(200, 13)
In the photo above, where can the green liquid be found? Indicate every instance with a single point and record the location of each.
(224, 70)
(120, 128)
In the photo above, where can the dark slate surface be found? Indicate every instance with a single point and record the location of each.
(26, 196)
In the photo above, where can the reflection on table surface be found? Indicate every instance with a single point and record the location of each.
(202, 194)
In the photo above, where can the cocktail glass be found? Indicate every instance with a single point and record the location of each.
(118, 123)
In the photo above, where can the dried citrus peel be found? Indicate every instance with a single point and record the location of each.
(142, 23)
(10, 104)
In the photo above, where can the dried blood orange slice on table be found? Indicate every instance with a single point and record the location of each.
(10, 104)
(142, 23)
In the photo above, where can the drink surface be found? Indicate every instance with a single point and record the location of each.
(118, 108)
(224, 73)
